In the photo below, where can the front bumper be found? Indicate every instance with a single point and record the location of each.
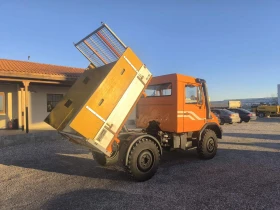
(235, 120)
(253, 118)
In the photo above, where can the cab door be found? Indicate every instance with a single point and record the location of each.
(194, 108)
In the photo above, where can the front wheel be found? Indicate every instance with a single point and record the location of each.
(208, 145)
(143, 159)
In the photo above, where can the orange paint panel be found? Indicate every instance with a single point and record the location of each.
(105, 98)
(131, 56)
(86, 123)
(180, 125)
(114, 85)
(77, 95)
(165, 114)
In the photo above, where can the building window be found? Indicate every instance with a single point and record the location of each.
(52, 101)
(159, 90)
(2, 102)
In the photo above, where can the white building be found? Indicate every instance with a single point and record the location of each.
(26, 90)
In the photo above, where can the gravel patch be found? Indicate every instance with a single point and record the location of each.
(61, 175)
(18, 137)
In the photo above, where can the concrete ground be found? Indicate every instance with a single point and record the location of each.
(57, 174)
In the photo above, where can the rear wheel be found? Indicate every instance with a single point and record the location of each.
(222, 122)
(143, 159)
(104, 160)
(208, 145)
(261, 114)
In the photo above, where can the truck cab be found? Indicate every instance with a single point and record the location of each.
(178, 102)
(176, 111)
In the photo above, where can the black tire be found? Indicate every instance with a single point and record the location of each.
(261, 115)
(143, 160)
(208, 145)
(222, 122)
(104, 160)
(246, 121)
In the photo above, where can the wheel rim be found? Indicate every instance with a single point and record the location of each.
(114, 154)
(145, 160)
(210, 145)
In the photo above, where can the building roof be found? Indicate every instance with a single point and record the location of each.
(27, 69)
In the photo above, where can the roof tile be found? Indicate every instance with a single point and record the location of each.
(19, 68)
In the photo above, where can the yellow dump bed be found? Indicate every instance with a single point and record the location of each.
(99, 102)
(275, 109)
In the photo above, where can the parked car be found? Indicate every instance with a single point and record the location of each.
(227, 116)
(244, 114)
(217, 117)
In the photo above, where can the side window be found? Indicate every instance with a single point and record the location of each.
(2, 102)
(193, 94)
(159, 90)
(52, 101)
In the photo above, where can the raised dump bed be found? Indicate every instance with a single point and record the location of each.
(97, 105)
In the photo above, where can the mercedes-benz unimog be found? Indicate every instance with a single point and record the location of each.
(173, 110)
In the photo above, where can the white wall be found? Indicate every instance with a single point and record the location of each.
(38, 105)
(11, 103)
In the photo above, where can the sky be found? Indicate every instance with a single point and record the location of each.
(233, 45)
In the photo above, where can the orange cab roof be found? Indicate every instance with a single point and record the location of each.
(172, 77)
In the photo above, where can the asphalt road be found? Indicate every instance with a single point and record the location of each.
(245, 174)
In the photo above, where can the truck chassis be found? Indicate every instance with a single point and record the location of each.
(139, 151)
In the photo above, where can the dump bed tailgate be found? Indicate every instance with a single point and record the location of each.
(99, 102)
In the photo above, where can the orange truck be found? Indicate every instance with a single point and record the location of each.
(172, 111)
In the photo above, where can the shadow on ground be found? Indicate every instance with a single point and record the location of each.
(254, 135)
(65, 158)
(106, 199)
(256, 144)
(217, 181)
(270, 119)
